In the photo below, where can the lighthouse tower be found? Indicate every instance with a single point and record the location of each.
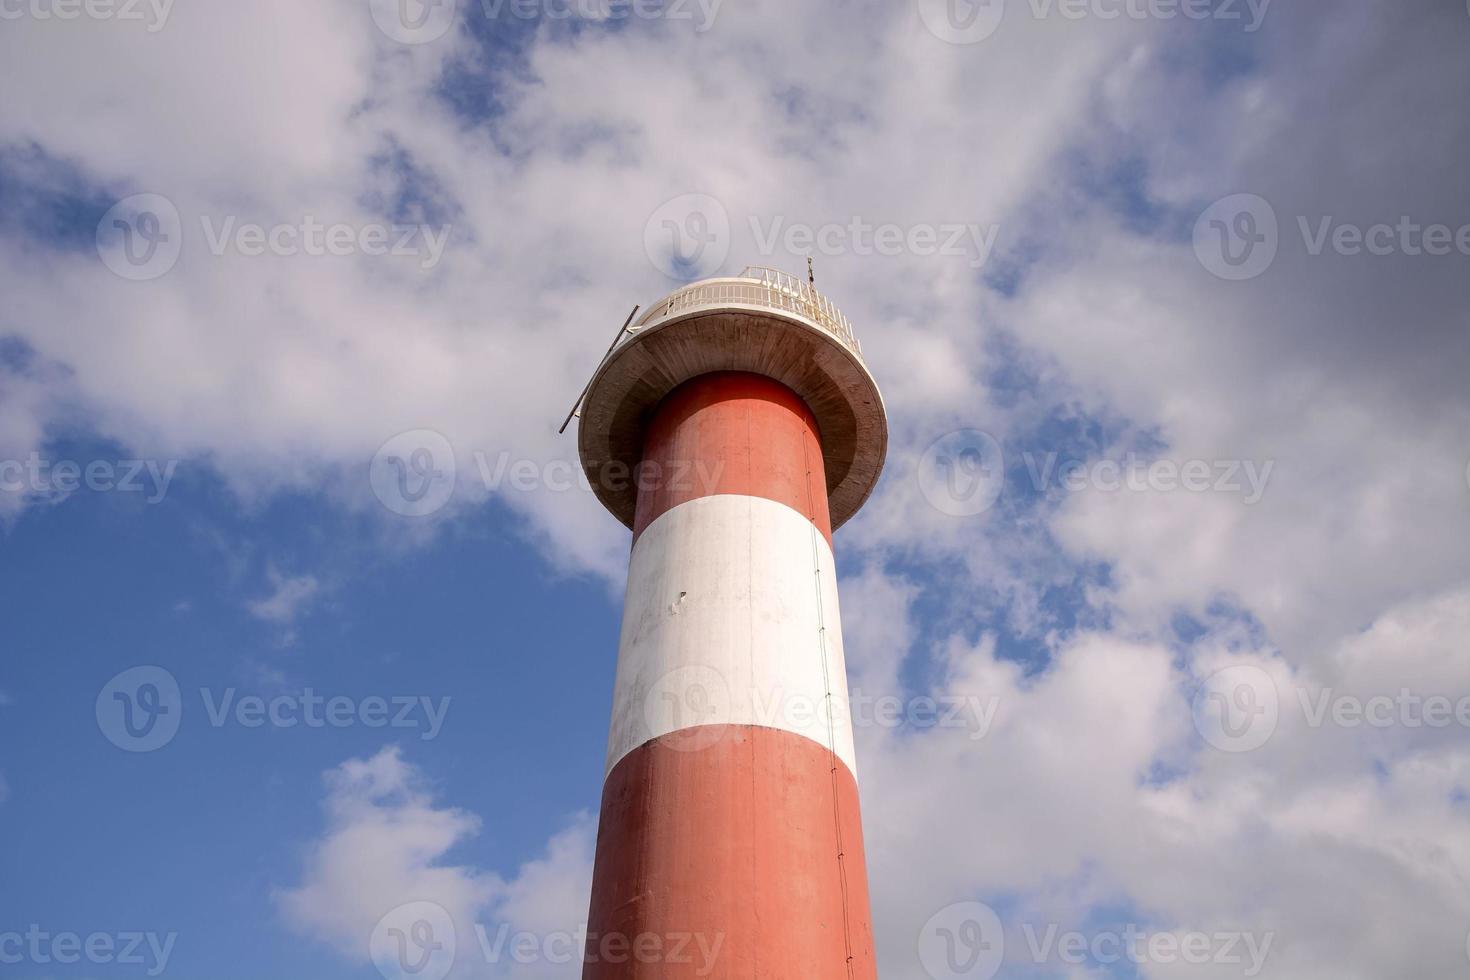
(732, 428)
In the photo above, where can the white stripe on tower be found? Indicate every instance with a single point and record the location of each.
(722, 625)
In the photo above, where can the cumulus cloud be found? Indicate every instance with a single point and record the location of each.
(292, 371)
(384, 849)
(1091, 789)
(1341, 369)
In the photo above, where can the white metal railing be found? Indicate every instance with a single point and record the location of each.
(759, 286)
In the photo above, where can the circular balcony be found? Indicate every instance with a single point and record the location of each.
(762, 321)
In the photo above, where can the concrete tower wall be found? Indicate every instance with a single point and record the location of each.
(730, 809)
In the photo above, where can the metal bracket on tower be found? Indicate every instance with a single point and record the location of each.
(578, 403)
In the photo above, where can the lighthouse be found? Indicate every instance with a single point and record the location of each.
(733, 428)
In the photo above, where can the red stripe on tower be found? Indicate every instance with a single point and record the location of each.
(732, 432)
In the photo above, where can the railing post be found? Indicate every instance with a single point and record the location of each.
(761, 285)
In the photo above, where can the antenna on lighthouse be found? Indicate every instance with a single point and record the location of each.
(578, 403)
(811, 277)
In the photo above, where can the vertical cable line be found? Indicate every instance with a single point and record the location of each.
(831, 724)
(750, 658)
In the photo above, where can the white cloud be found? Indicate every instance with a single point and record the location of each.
(1092, 789)
(290, 597)
(384, 846)
(291, 372)
(1343, 370)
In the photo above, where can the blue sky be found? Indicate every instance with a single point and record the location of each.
(1320, 392)
(196, 836)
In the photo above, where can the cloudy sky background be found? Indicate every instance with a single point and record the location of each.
(551, 149)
